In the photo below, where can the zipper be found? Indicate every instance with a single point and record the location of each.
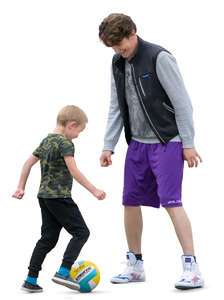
(139, 95)
(140, 83)
(168, 107)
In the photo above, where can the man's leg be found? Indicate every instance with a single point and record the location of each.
(191, 277)
(182, 227)
(167, 165)
(139, 189)
(133, 227)
(134, 270)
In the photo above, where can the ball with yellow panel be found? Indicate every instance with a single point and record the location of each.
(86, 274)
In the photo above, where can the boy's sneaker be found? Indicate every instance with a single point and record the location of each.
(134, 271)
(66, 281)
(28, 287)
(191, 277)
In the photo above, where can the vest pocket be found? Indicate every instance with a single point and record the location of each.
(167, 107)
(141, 87)
(145, 84)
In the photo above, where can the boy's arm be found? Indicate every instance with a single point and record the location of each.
(24, 175)
(78, 176)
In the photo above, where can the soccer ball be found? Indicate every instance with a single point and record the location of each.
(86, 274)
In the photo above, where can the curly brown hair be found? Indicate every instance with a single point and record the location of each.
(114, 28)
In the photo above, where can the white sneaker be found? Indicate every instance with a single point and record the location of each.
(134, 271)
(191, 277)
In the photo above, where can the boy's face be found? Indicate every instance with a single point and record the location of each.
(127, 46)
(72, 130)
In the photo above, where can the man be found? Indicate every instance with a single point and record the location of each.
(149, 99)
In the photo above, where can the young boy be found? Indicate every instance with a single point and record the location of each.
(58, 168)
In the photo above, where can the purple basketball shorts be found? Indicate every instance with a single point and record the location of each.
(153, 174)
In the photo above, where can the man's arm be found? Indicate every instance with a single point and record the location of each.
(114, 127)
(171, 80)
(114, 121)
(24, 176)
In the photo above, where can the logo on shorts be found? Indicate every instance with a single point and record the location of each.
(174, 201)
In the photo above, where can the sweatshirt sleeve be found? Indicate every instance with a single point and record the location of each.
(171, 80)
(114, 121)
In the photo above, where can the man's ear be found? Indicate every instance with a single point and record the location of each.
(133, 33)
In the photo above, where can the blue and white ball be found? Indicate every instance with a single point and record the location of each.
(86, 274)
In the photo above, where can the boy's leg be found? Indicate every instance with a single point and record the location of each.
(80, 234)
(68, 215)
(182, 227)
(50, 231)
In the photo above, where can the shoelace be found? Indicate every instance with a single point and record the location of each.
(127, 269)
(187, 274)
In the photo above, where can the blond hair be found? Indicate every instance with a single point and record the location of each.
(71, 113)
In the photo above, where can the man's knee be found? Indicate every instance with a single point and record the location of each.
(172, 211)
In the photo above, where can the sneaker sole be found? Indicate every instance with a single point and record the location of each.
(188, 287)
(66, 284)
(31, 291)
(119, 282)
(129, 281)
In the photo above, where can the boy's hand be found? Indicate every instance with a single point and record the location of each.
(100, 195)
(191, 156)
(105, 158)
(18, 194)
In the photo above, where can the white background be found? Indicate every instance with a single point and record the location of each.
(50, 56)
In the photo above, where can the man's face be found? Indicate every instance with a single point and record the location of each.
(127, 46)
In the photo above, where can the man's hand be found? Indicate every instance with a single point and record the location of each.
(191, 156)
(19, 193)
(99, 194)
(105, 158)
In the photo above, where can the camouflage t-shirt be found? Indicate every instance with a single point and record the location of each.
(56, 180)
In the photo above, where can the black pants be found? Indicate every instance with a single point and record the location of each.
(56, 214)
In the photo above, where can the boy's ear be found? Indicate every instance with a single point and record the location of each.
(73, 124)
